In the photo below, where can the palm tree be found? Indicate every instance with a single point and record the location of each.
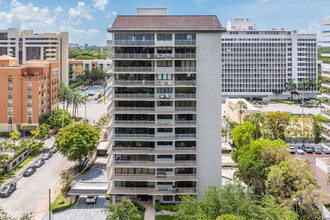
(65, 94)
(77, 99)
(303, 85)
(276, 93)
(319, 102)
(240, 106)
(256, 118)
(291, 87)
(312, 84)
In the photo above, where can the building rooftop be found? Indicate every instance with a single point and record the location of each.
(199, 23)
(249, 105)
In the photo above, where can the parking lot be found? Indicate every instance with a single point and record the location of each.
(320, 175)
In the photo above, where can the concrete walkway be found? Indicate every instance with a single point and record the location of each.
(150, 210)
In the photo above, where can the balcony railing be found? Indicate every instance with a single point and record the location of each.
(133, 56)
(185, 56)
(185, 109)
(185, 69)
(139, 109)
(185, 96)
(134, 69)
(133, 122)
(134, 82)
(185, 42)
(137, 177)
(151, 191)
(133, 42)
(185, 82)
(154, 150)
(185, 122)
(135, 163)
(153, 137)
(135, 96)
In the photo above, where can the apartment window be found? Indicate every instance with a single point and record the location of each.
(168, 198)
(29, 120)
(10, 103)
(10, 120)
(29, 111)
(10, 111)
(30, 86)
(10, 78)
(164, 90)
(29, 95)
(164, 116)
(164, 37)
(164, 76)
(29, 103)
(10, 95)
(10, 86)
(164, 103)
(164, 157)
(164, 130)
(164, 63)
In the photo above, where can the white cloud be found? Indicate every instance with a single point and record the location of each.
(100, 4)
(313, 28)
(79, 13)
(113, 13)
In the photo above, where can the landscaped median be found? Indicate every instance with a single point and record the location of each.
(61, 203)
(6, 176)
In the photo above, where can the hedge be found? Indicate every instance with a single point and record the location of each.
(75, 85)
(159, 207)
(139, 207)
(59, 204)
(283, 101)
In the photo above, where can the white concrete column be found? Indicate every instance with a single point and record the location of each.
(113, 200)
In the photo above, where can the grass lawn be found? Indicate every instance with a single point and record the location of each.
(5, 177)
(60, 204)
(164, 217)
(142, 215)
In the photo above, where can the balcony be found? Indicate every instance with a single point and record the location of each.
(325, 33)
(151, 191)
(133, 122)
(152, 164)
(185, 136)
(326, 84)
(185, 42)
(185, 69)
(326, 135)
(151, 151)
(134, 109)
(185, 82)
(134, 96)
(134, 82)
(326, 125)
(185, 56)
(156, 178)
(185, 96)
(185, 109)
(134, 69)
(133, 42)
(185, 122)
(133, 56)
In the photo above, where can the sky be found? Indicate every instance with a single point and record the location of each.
(87, 20)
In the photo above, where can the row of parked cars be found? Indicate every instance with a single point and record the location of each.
(9, 188)
(302, 149)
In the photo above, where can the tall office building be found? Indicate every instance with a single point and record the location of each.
(26, 45)
(325, 68)
(26, 92)
(256, 63)
(165, 126)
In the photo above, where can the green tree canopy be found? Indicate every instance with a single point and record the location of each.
(77, 141)
(244, 134)
(276, 123)
(124, 210)
(41, 132)
(55, 119)
(294, 180)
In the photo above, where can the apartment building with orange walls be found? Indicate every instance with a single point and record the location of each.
(26, 92)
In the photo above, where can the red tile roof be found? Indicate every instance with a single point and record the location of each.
(202, 23)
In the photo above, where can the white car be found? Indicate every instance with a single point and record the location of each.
(326, 150)
(91, 199)
(299, 150)
(292, 149)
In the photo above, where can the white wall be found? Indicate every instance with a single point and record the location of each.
(208, 110)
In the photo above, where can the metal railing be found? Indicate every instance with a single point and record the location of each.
(153, 177)
(185, 82)
(133, 42)
(134, 96)
(152, 191)
(185, 108)
(134, 69)
(185, 69)
(185, 42)
(134, 109)
(185, 96)
(185, 122)
(185, 56)
(134, 82)
(133, 122)
(133, 56)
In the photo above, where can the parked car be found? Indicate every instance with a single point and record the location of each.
(39, 162)
(325, 150)
(299, 150)
(8, 189)
(91, 199)
(317, 150)
(29, 171)
(307, 149)
(292, 149)
(53, 149)
(258, 106)
(47, 155)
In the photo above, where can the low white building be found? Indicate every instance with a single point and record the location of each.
(234, 114)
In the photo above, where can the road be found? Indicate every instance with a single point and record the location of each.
(31, 195)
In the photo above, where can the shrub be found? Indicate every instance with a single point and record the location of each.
(139, 207)
(157, 206)
(283, 101)
(61, 202)
(107, 197)
(75, 85)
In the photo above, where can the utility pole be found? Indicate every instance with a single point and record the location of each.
(50, 209)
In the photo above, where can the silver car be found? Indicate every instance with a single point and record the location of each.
(292, 149)
(39, 162)
(326, 150)
(47, 155)
(299, 150)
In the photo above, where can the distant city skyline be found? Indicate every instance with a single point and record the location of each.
(87, 21)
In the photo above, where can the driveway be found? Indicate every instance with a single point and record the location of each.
(96, 174)
(31, 195)
(83, 211)
(320, 175)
